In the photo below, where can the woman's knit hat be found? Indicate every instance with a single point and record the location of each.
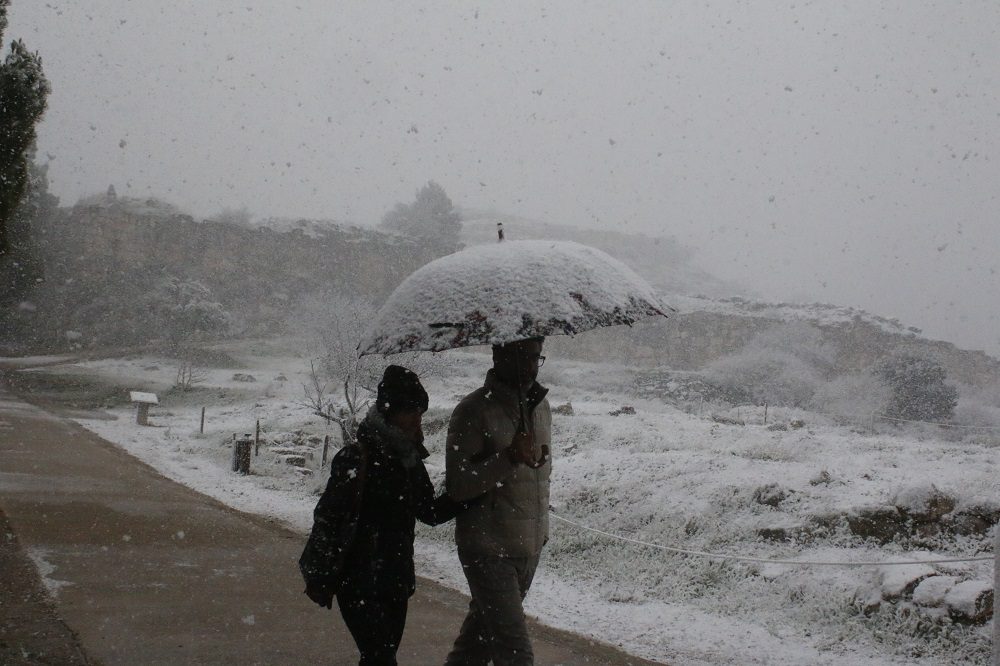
(400, 389)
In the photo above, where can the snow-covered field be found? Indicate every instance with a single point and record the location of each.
(657, 475)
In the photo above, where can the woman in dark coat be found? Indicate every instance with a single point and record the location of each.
(377, 577)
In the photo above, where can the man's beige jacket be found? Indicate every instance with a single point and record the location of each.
(512, 519)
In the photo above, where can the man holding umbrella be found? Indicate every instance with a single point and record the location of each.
(498, 447)
(508, 295)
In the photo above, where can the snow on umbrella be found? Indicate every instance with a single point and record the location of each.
(494, 294)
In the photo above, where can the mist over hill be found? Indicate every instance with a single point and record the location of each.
(666, 263)
(109, 263)
(715, 318)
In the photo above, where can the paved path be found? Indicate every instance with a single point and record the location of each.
(147, 571)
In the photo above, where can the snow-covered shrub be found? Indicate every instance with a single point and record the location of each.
(783, 365)
(766, 375)
(917, 386)
(976, 414)
(851, 397)
(183, 309)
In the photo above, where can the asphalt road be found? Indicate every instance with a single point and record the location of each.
(137, 569)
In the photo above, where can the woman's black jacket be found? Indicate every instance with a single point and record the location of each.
(394, 497)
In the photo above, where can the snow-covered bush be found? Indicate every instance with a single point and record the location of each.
(851, 397)
(766, 375)
(185, 309)
(918, 389)
(976, 418)
(784, 365)
(973, 413)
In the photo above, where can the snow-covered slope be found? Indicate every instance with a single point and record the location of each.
(654, 474)
(820, 314)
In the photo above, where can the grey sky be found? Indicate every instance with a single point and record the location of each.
(847, 152)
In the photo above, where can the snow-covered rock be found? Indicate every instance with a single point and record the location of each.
(931, 591)
(899, 581)
(971, 600)
(923, 502)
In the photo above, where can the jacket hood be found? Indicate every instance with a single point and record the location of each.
(375, 430)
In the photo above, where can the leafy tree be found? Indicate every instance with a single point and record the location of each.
(917, 388)
(23, 94)
(431, 218)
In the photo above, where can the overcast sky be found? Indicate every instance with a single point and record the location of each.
(847, 152)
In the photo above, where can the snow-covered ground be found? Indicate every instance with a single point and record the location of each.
(657, 475)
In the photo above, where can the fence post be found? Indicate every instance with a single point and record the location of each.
(765, 413)
(256, 441)
(326, 448)
(996, 596)
(241, 454)
(202, 420)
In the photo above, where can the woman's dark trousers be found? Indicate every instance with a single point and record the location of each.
(376, 623)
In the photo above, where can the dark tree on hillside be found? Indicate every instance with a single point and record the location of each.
(23, 94)
(918, 389)
(431, 218)
(22, 266)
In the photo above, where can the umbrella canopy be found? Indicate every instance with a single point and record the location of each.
(494, 294)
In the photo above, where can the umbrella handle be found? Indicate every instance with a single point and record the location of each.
(523, 425)
(541, 461)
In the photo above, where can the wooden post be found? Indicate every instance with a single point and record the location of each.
(143, 414)
(202, 420)
(996, 596)
(326, 448)
(765, 413)
(241, 454)
(256, 440)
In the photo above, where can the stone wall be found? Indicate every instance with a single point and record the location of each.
(257, 272)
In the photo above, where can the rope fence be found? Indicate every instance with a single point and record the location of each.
(867, 420)
(759, 560)
(883, 417)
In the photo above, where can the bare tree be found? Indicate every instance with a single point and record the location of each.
(341, 383)
(188, 374)
(320, 399)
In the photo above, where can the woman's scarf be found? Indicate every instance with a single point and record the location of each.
(393, 440)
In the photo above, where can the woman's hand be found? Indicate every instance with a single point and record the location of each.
(321, 597)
